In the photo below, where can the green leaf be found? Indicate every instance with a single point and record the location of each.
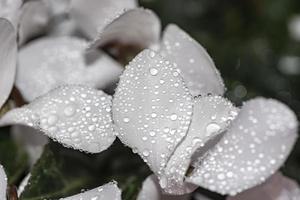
(12, 157)
(62, 172)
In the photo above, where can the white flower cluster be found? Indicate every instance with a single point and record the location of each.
(168, 105)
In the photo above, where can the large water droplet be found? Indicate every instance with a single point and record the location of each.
(153, 71)
(212, 128)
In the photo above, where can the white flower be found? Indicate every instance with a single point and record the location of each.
(277, 187)
(108, 191)
(168, 106)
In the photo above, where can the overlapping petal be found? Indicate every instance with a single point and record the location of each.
(8, 57)
(3, 183)
(47, 63)
(93, 15)
(76, 116)
(129, 28)
(10, 10)
(255, 146)
(211, 117)
(152, 108)
(152, 190)
(34, 19)
(109, 191)
(197, 67)
(277, 187)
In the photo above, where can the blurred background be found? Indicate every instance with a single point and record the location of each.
(256, 46)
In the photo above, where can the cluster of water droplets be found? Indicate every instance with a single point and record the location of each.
(254, 147)
(109, 191)
(211, 117)
(152, 108)
(75, 116)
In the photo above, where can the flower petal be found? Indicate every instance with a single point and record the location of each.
(277, 187)
(109, 191)
(31, 139)
(3, 183)
(23, 184)
(152, 190)
(58, 7)
(33, 20)
(129, 28)
(93, 15)
(8, 54)
(9, 9)
(255, 146)
(211, 117)
(197, 68)
(152, 108)
(48, 63)
(75, 116)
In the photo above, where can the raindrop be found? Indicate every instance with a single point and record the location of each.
(69, 111)
(212, 128)
(153, 71)
(126, 119)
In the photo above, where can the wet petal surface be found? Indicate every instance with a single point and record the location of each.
(152, 190)
(152, 108)
(110, 191)
(76, 116)
(129, 28)
(277, 187)
(8, 56)
(48, 63)
(211, 117)
(255, 146)
(93, 15)
(197, 68)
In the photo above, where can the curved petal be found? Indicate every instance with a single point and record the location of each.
(129, 28)
(58, 7)
(277, 187)
(48, 63)
(9, 9)
(152, 190)
(211, 117)
(109, 191)
(31, 139)
(92, 16)
(8, 57)
(152, 108)
(33, 20)
(3, 183)
(23, 184)
(255, 146)
(197, 68)
(76, 116)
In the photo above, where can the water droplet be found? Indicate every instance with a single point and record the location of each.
(146, 153)
(69, 111)
(212, 128)
(152, 133)
(173, 117)
(52, 119)
(153, 71)
(126, 119)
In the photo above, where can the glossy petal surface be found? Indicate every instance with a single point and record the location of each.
(211, 117)
(255, 146)
(277, 187)
(93, 15)
(48, 63)
(197, 68)
(110, 191)
(152, 190)
(152, 108)
(129, 28)
(8, 55)
(76, 116)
